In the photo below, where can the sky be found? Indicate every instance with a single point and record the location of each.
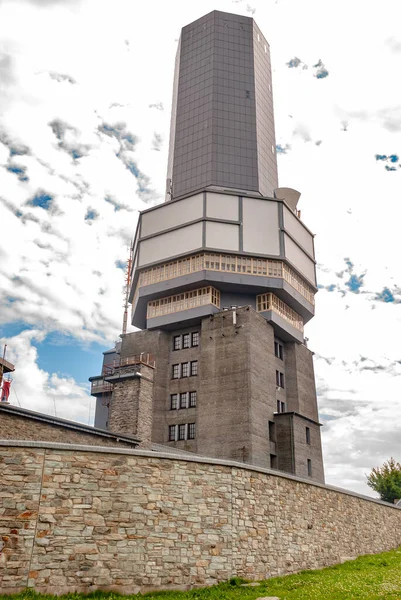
(85, 102)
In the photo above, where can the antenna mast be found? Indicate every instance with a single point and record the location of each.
(126, 289)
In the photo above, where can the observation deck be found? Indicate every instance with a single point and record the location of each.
(242, 246)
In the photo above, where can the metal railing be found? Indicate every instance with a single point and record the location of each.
(271, 302)
(136, 359)
(184, 301)
(226, 263)
(100, 387)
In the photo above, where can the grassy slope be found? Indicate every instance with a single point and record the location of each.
(370, 577)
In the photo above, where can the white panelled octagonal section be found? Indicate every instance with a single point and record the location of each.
(222, 224)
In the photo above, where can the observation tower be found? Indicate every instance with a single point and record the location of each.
(223, 272)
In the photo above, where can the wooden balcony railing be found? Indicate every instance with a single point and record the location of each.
(271, 302)
(226, 263)
(184, 301)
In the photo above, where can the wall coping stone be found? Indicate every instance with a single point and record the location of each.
(195, 458)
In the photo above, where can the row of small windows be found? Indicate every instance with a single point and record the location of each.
(184, 431)
(183, 400)
(187, 369)
(187, 340)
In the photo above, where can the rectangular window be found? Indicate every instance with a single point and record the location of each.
(173, 401)
(272, 431)
(194, 367)
(307, 432)
(186, 340)
(279, 350)
(183, 400)
(171, 433)
(309, 467)
(195, 338)
(181, 432)
(280, 406)
(273, 461)
(177, 342)
(192, 399)
(185, 370)
(191, 431)
(176, 371)
(279, 379)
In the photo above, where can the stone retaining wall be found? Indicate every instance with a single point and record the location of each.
(82, 518)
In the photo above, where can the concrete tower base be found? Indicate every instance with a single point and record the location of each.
(229, 388)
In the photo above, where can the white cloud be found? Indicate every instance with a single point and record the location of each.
(37, 390)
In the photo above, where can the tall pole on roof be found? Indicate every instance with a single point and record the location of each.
(126, 289)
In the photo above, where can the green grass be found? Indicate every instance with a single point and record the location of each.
(370, 577)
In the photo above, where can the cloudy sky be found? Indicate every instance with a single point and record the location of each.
(85, 99)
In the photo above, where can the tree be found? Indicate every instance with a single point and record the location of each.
(386, 480)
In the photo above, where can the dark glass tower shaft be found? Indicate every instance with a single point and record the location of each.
(222, 126)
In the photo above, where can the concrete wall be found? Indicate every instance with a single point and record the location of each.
(223, 409)
(222, 206)
(293, 450)
(261, 227)
(236, 388)
(222, 236)
(171, 215)
(299, 259)
(262, 386)
(300, 380)
(171, 243)
(84, 518)
(102, 410)
(298, 231)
